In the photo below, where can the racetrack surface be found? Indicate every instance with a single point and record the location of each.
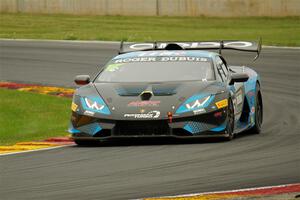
(127, 170)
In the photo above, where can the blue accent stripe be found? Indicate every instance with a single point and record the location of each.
(196, 127)
(72, 130)
(219, 128)
(188, 128)
(91, 129)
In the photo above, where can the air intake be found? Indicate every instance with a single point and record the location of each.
(146, 95)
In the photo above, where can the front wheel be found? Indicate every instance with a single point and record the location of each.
(230, 121)
(258, 111)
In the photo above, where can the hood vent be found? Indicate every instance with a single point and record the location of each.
(146, 95)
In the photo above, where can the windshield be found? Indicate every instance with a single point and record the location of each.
(157, 69)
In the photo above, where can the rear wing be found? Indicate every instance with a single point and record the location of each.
(249, 46)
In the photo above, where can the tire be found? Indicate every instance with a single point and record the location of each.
(84, 142)
(256, 129)
(230, 121)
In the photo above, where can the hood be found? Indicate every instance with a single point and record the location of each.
(141, 100)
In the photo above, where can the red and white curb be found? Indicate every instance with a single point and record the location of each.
(257, 191)
(25, 147)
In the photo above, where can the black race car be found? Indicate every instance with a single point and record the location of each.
(168, 89)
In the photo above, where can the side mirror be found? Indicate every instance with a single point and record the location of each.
(82, 79)
(238, 77)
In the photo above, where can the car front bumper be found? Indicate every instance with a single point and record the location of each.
(205, 125)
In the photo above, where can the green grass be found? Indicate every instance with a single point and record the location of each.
(26, 116)
(274, 31)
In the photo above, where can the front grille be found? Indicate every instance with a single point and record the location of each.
(140, 128)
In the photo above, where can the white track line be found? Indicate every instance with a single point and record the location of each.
(42, 149)
(63, 41)
(224, 191)
(112, 42)
(279, 47)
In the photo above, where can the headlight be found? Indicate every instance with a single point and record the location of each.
(199, 103)
(195, 103)
(94, 104)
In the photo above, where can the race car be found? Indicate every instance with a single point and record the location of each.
(168, 89)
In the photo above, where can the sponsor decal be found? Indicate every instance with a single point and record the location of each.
(90, 113)
(74, 107)
(233, 44)
(150, 115)
(252, 109)
(238, 101)
(139, 59)
(143, 104)
(239, 97)
(222, 104)
(252, 119)
(183, 58)
(118, 62)
(113, 67)
(251, 93)
(199, 111)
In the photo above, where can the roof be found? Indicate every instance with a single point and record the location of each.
(160, 53)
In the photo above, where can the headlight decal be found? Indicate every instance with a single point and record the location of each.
(95, 104)
(195, 102)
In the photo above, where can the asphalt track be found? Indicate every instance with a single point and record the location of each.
(127, 170)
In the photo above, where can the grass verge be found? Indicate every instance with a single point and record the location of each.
(26, 116)
(274, 31)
